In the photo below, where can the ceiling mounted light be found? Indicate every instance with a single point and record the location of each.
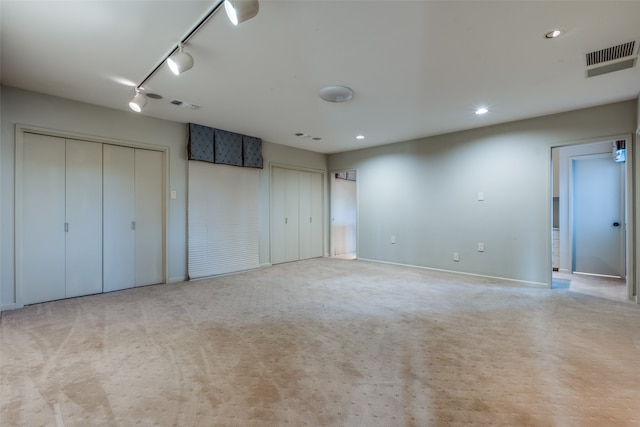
(336, 93)
(180, 62)
(360, 137)
(239, 11)
(482, 110)
(554, 33)
(138, 102)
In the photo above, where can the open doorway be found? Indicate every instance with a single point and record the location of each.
(590, 247)
(344, 214)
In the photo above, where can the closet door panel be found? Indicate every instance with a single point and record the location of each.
(304, 199)
(278, 215)
(43, 235)
(316, 216)
(118, 218)
(84, 218)
(292, 222)
(148, 217)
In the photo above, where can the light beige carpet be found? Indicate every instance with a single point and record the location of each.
(323, 342)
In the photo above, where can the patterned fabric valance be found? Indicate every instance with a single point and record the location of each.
(220, 146)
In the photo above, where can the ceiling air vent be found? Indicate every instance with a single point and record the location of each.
(185, 105)
(615, 58)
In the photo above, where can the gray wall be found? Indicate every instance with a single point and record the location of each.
(425, 192)
(67, 116)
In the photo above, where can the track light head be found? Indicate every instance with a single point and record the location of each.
(241, 10)
(180, 62)
(138, 102)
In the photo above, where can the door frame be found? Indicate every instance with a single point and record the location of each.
(631, 214)
(331, 213)
(20, 130)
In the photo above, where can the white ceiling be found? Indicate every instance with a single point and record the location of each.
(417, 68)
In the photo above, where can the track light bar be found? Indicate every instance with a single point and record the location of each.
(237, 10)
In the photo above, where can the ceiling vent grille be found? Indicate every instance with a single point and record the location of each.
(611, 53)
(611, 59)
(185, 105)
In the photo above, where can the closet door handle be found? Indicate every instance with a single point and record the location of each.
(133, 225)
(66, 227)
(286, 220)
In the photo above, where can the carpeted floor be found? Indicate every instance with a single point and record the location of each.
(323, 342)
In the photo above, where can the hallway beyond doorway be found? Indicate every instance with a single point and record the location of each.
(603, 287)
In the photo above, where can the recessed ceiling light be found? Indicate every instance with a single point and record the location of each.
(554, 33)
(360, 137)
(482, 110)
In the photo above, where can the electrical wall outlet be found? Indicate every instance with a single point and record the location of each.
(480, 247)
(393, 240)
(456, 256)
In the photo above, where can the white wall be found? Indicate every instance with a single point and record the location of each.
(425, 192)
(67, 116)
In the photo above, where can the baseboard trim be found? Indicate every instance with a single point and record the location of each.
(8, 307)
(514, 282)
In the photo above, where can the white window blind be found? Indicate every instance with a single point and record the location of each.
(223, 228)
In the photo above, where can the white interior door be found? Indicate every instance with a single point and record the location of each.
(305, 215)
(118, 218)
(278, 215)
(43, 217)
(310, 200)
(148, 217)
(83, 218)
(317, 240)
(598, 216)
(292, 216)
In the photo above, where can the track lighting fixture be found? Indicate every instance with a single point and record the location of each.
(237, 10)
(138, 102)
(180, 62)
(241, 10)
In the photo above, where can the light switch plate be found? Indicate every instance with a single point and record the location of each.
(173, 194)
(480, 196)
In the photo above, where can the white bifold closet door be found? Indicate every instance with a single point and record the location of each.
(84, 218)
(61, 232)
(132, 221)
(296, 216)
(310, 215)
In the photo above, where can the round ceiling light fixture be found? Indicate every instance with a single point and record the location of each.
(336, 93)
